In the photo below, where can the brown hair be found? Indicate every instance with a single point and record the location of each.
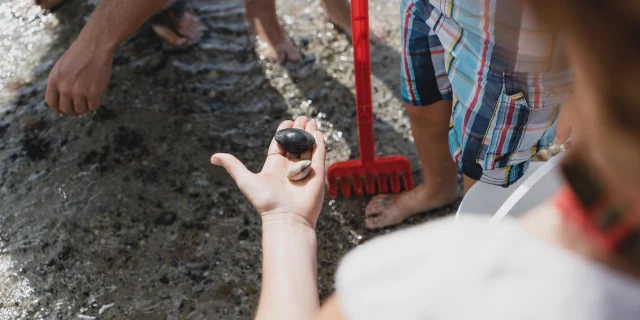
(608, 31)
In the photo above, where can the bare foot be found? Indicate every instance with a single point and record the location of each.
(189, 30)
(265, 25)
(377, 33)
(387, 210)
(282, 52)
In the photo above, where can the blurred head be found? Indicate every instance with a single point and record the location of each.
(603, 43)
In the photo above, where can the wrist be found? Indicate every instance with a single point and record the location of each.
(285, 220)
(97, 41)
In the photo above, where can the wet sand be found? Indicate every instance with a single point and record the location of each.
(118, 214)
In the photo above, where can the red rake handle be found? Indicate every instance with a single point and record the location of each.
(362, 66)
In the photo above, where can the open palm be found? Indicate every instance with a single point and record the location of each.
(270, 191)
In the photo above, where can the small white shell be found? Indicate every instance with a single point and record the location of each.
(298, 170)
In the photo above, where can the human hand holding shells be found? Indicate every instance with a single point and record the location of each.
(274, 191)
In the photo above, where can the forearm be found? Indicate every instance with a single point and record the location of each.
(114, 21)
(289, 271)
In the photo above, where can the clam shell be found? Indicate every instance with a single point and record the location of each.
(298, 170)
(294, 140)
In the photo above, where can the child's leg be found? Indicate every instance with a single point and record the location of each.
(430, 127)
(468, 183)
(261, 15)
(427, 94)
(339, 12)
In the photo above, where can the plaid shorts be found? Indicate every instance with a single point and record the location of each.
(501, 117)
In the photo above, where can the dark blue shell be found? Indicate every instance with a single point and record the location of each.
(295, 140)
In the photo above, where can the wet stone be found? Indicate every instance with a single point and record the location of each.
(244, 235)
(103, 114)
(294, 140)
(64, 252)
(36, 149)
(34, 125)
(166, 218)
(126, 139)
(61, 143)
(91, 157)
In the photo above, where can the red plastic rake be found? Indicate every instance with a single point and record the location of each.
(362, 173)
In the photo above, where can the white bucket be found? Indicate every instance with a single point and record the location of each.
(540, 182)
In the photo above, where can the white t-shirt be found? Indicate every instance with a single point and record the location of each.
(473, 269)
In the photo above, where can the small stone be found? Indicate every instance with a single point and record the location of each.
(34, 125)
(244, 235)
(166, 218)
(103, 114)
(64, 252)
(294, 140)
(37, 149)
(105, 308)
(164, 279)
(298, 170)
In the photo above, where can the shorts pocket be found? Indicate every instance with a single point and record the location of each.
(516, 131)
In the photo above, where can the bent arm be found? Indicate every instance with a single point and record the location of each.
(114, 21)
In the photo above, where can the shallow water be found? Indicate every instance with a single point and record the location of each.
(118, 214)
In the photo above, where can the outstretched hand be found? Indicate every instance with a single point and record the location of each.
(270, 191)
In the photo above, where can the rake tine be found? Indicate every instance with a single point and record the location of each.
(345, 186)
(333, 186)
(383, 183)
(357, 185)
(407, 178)
(403, 179)
(395, 182)
(370, 183)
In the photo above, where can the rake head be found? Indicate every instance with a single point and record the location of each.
(385, 172)
(363, 173)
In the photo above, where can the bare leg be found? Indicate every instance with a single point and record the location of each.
(430, 127)
(339, 12)
(468, 183)
(188, 25)
(261, 15)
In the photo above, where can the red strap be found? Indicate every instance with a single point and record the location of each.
(586, 218)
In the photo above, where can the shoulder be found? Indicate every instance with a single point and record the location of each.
(402, 268)
(439, 238)
(451, 269)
